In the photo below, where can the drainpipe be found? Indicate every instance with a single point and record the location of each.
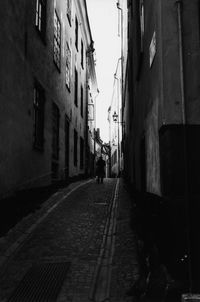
(122, 53)
(179, 4)
(180, 32)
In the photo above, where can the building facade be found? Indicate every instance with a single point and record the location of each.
(161, 111)
(44, 92)
(161, 97)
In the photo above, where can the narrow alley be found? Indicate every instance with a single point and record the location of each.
(82, 237)
(99, 151)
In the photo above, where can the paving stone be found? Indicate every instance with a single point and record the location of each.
(73, 231)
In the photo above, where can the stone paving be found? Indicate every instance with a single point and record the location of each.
(72, 232)
(125, 269)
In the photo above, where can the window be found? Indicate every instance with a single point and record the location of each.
(81, 152)
(68, 66)
(81, 100)
(82, 54)
(55, 131)
(142, 24)
(76, 33)
(75, 147)
(40, 17)
(57, 40)
(76, 88)
(38, 102)
(69, 10)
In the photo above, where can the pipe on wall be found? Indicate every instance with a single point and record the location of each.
(180, 38)
(179, 4)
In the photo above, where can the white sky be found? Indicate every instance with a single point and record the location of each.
(103, 17)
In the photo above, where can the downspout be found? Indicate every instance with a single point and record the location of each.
(179, 4)
(89, 56)
(109, 117)
(180, 32)
(122, 53)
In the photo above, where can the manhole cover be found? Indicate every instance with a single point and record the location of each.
(41, 283)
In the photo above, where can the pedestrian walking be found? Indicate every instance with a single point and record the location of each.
(100, 172)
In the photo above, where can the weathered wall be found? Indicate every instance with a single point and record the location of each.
(155, 99)
(27, 58)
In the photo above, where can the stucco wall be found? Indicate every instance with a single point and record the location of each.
(27, 58)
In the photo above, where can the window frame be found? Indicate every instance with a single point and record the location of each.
(82, 54)
(69, 11)
(76, 33)
(57, 41)
(82, 101)
(76, 87)
(68, 66)
(142, 25)
(40, 18)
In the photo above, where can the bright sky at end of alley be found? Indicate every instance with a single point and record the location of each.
(103, 17)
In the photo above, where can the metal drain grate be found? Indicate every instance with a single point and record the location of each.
(41, 283)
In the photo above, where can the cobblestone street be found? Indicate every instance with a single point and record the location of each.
(86, 225)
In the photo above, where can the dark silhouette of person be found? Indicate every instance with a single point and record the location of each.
(100, 173)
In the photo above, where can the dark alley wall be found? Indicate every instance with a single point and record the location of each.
(154, 100)
(38, 86)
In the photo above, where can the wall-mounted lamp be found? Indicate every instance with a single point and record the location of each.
(115, 117)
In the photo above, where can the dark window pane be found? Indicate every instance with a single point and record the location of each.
(82, 101)
(76, 33)
(40, 17)
(69, 10)
(76, 88)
